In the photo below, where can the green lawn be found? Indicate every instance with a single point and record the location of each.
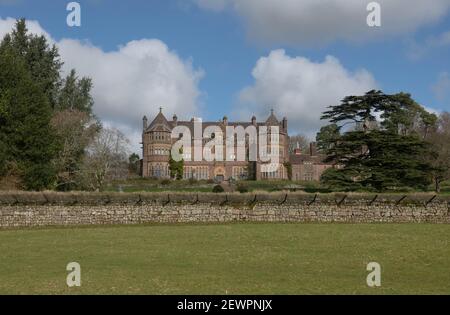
(228, 259)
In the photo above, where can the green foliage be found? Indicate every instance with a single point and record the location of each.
(327, 137)
(41, 60)
(133, 163)
(377, 156)
(45, 151)
(3, 156)
(26, 126)
(75, 94)
(176, 168)
(166, 182)
(242, 188)
(288, 167)
(218, 189)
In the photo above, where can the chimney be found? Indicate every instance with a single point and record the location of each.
(175, 119)
(145, 123)
(297, 150)
(254, 120)
(285, 124)
(225, 120)
(313, 149)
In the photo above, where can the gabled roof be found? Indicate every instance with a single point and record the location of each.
(272, 120)
(159, 121)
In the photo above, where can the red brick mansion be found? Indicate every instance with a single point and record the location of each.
(157, 143)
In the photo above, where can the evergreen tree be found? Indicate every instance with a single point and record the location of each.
(377, 156)
(25, 127)
(75, 94)
(24, 117)
(41, 60)
(327, 137)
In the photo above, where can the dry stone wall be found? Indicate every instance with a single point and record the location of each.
(19, 210)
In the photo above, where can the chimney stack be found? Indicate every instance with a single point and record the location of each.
(297, 150)
(145, 123)
(313, 149)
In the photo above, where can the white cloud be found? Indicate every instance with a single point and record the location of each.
(300, 89)
(7, 24)
(312, 21)
(130, 82)
(135, 80)
(441, 88)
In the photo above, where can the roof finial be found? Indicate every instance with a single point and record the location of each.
(271, 111)
(160, 110)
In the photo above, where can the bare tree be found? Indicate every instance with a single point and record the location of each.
(440, 140)
(106, 159)
(75, 130)
(299, 141)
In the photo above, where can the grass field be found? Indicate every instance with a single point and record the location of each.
(228, 259)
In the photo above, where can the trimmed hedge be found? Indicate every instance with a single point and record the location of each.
(85, 198)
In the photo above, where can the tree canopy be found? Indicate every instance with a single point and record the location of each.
(377, 141)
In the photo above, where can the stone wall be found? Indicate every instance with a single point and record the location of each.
(63, 209)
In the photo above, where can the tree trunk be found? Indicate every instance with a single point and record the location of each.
(437, 184)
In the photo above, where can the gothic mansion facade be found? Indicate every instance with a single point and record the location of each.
(157, 143)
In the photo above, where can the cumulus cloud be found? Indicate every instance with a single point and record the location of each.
(132, 81)
(312, 21)
(7, 24)
(136, 79)
(300, 89)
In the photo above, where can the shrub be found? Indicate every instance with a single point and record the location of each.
(242, 188)
(166, 182)
(210, 181)
(192, 181)
(218, 189)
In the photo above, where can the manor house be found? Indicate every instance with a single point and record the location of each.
(157, 143)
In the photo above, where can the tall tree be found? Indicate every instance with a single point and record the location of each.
(328, 137)
(25, 128)
(75, 130)
(75, 94)
(377, 155)
(440, 156)
(76, 127)
(41, 60)
(106, 159)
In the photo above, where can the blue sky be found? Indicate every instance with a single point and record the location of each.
(220, 42)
